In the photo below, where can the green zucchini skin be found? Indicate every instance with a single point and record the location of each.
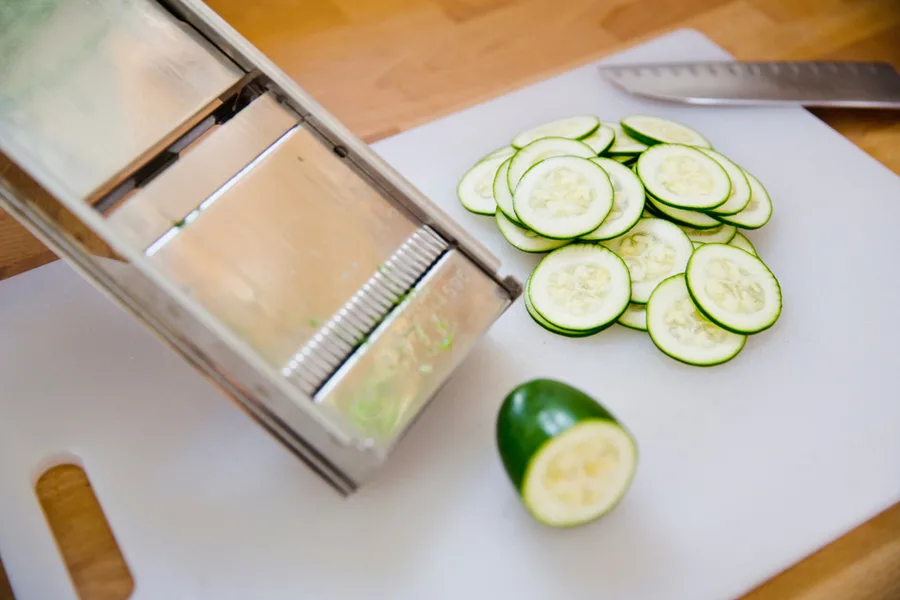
(533, 414)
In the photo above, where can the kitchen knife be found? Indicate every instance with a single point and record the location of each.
(836, 84)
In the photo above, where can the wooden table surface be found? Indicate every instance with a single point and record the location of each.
(383, 66)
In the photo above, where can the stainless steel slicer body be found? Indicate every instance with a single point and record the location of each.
(187, 177)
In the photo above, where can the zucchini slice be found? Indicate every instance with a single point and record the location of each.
(476, 188)
(504, 152)
(683, 177)
(540, 320)
(683, 332)
(690, 218)
(625, 159)
(740, 241)
(601, 140)
(758, 210)
(573, 128)
(716, 235)
(580, 287)
(624, 144)
(654, 249)
(628, 201)
(657, 130)
(733, 288)
(569, 458)
(525, 239)
(540, 150)
(563, 197)
(740, 187)
(634, 317)
(502, 196)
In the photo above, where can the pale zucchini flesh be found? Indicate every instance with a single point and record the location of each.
(628, 201)
(733, 288)
(657, 130)
(690, 218)
(580, 474)
(740, 187)
(681, 331)
(721, 234)
(758, 210)
(601, 140)
(476, 188)
(683, 177)
(573, 128)
(540, 150)
(502, 196)
(624, 144)
(653, 250)
(635, 317)
(740, 241)
(563, 197)
(580, 287)
(525, 239)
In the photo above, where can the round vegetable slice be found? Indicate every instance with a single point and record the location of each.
(540, 150)
(624, 144)
(690, 218)
(601, 140)
(635, 317)
(502, 196)
(740, 241)
(540, 320)
(569, 458)
(580, 287)
(683, 177)
(758, 210)
(740, 187)
(476, 188)
(721, 234)
(525, 239)
(563, 197)
(733, 288)
(573, 128)
(683, 332)
(657, 130)
(504, 152)
(628, 201)
(654, 249)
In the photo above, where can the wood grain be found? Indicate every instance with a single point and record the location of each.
(384, 66)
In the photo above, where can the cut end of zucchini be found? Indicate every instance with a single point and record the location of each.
(683, 177)
(657, 130)
(573, 128)
(580, 474)
(681, 331)
(733, 288)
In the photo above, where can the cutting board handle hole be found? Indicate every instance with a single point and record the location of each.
(84, 536)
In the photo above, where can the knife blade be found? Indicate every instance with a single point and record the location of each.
(813, 84)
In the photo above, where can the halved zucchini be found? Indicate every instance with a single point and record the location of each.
(569, 458)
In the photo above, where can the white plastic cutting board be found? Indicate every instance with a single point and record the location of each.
(744, 469)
